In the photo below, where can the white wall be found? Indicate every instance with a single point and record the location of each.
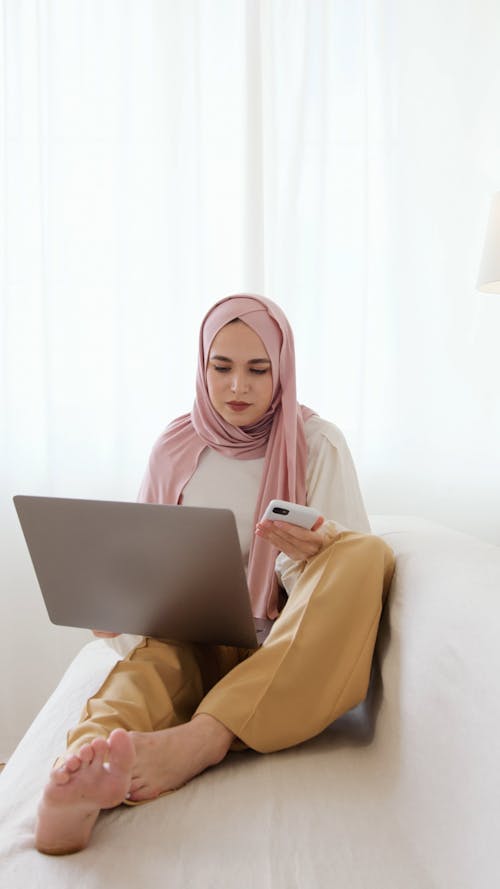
(34, 653)
(438, 432)
(416, 385)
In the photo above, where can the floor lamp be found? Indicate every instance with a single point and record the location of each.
(489, 272)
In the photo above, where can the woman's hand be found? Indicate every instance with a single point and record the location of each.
(103, 634)
(296, 542)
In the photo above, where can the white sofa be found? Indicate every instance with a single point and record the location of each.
(401, 793)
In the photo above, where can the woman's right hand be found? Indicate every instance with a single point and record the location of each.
(103, 634)
(294, 541)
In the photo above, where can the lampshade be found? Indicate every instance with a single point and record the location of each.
(489, 272)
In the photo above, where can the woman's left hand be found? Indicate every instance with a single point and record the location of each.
(296, 542)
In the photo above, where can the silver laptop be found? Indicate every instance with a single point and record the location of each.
(173, 572)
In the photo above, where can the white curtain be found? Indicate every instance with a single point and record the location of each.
(335, 155)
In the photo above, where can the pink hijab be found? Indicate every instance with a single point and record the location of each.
(278, 435)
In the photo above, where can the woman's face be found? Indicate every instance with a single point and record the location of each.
(239, 375)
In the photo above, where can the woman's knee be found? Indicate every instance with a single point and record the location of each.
(379, 557)
(363, 557)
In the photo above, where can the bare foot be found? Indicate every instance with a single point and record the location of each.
(97, 778)
(167, 759)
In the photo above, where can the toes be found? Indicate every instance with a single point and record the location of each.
(63, 773)
(60, 776)
(100, 751)
(121, 750)
(72, 764)
(86, 754)
(142, 793)
(135, 785)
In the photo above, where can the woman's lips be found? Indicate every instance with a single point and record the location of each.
(238, 405)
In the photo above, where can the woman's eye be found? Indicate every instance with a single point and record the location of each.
(224, 369)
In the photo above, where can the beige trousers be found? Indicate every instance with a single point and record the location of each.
(314, 665)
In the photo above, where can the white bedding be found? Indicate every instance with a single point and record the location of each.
(415, 803)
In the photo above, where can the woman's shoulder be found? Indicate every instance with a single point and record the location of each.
(322, 433)
(332, 482)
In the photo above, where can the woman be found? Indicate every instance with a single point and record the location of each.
(168, 711)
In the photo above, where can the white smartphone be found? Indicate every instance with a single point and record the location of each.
(283, 511)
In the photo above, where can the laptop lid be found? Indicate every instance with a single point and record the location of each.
(173, 572)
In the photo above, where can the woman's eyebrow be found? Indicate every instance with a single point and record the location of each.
(229, 360)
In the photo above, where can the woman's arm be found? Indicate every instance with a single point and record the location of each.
(333, 489)
(332, 481)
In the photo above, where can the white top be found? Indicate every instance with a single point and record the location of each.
(227, 483)
(331, 484)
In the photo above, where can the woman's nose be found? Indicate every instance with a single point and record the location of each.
(238, 383)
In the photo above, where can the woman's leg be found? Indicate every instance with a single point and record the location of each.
(313, 667)
(315, 664)
(131, 734)
(158, 685)
(175, 750)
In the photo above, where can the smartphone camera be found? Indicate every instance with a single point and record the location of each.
(280, 511)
